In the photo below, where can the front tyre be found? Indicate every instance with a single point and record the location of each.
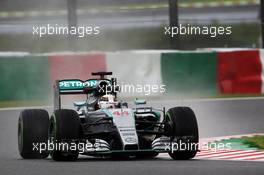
(33, 127)
(64, 129)
(184, 128)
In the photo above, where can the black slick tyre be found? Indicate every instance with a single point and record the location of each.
(33, 127)
(183, 124)
(64, 128)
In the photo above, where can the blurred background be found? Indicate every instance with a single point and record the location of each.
(127, 24)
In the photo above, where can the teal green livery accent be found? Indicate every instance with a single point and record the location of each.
(140, 102)
(107, 112)
(157, 115)
(168, 115)
(76, 84)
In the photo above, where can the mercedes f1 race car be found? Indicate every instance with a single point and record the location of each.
(102, 126)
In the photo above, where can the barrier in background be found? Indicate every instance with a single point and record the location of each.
(189, 72)
(202, 73)
(135, 68)
(24, 77)
(239, 72)
(72, 66)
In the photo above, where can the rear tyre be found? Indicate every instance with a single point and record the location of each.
(33, 127)
(182, 122)
(64, 128)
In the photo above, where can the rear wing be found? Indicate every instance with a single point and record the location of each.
(74, 86)
(65, 87)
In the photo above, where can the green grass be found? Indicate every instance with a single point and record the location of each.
(116, 6)
(256, 141)
(24, 103)
(244, 143)
(160, 5)
(244, 35)
(205, 1)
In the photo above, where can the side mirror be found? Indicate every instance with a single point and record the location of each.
(140, 102)
(79, 105)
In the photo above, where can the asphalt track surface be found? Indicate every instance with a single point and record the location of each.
(136, 18)
(215, 118)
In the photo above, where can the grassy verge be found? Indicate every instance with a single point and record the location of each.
(15, 6)
(165, 3)
(256, 141)
(7, 104)
(243, 35)
(205, 1)
(244, 143)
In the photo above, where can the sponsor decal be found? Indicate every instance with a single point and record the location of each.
(116, 113)
(90, 83)
(76, 84)
(131, 140)
(122, 113)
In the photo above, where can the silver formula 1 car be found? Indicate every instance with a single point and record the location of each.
(105, 127)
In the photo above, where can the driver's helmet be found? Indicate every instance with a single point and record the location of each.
(107, 101)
